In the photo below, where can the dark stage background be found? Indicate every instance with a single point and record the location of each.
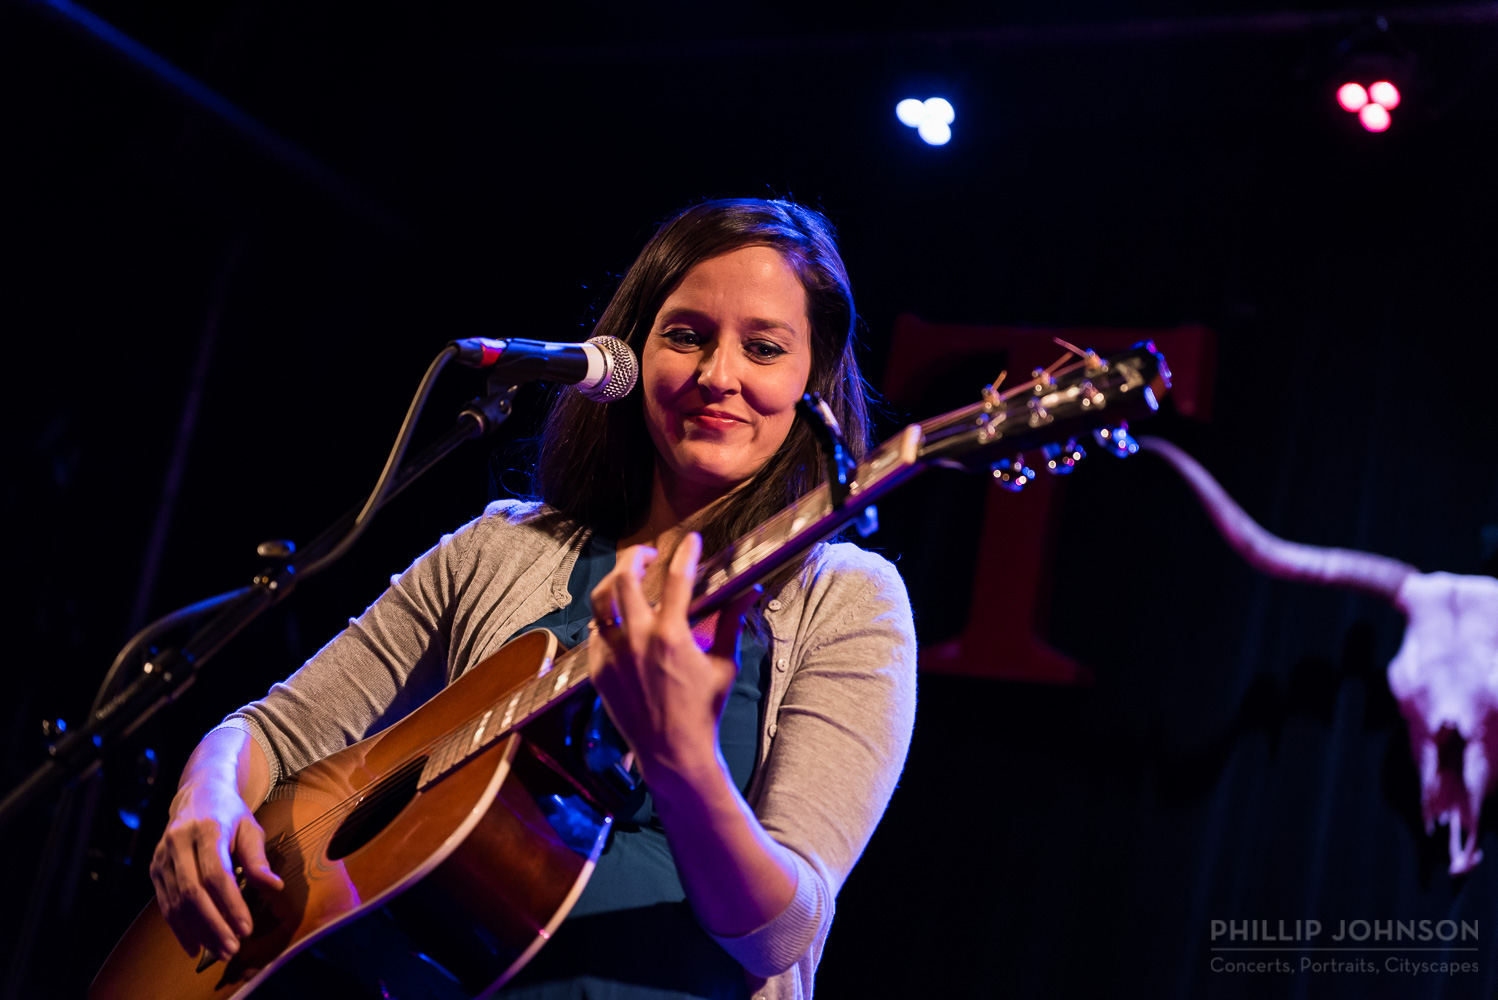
(208, 345)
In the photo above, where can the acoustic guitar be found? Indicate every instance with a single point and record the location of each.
(440, 854)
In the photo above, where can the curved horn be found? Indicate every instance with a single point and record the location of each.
(1273, 555)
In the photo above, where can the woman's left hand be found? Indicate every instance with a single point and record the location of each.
(664, 693)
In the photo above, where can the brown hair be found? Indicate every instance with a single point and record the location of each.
(596, 460)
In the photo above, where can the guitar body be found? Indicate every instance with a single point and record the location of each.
(447, 890)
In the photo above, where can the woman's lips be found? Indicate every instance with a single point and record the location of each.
(718, 421)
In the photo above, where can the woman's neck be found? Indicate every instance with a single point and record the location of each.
(670, 517)
(672, 513)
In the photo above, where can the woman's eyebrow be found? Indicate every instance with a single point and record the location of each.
(681, 313)
(690, 315)
(756, 323)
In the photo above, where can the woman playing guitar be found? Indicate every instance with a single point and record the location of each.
(769, 751)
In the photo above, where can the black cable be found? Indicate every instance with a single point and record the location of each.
(382, 485)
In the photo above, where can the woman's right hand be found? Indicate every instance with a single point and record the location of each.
(211, 829)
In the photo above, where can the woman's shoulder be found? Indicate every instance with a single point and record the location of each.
(846, 593)
(513, 511)
(843, 559)
(840, 574)
(527, 517)
(525, 529)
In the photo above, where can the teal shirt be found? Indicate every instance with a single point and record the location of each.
(632, 934)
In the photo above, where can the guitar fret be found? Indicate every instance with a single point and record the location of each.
(533, 698)
(510, 711)
(478, 734)
(437, 763)
(451, 750)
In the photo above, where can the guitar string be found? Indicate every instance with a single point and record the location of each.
(447, 741)
(281, 848)
(1019, 389)
(817, 497)
(387, 785)
(390, 783)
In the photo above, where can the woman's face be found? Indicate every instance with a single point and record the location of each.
(726, 360)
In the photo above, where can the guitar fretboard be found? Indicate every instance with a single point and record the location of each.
(719, 580)
(551, 684)
(1056, 400)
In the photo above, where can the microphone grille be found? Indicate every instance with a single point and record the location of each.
(621, 371)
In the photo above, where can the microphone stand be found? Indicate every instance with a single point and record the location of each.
(166, 675)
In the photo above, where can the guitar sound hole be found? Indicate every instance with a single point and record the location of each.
(382, 802)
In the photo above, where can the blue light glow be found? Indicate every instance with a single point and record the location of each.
(935, 133)
(939, 109)
(130, 819)
(932, 118)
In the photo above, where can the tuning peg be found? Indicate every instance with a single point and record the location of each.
(1117, 440)
(1062, 459)
(1012, 475)
(279, 549)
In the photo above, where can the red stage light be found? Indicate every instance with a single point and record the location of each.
(1385, 94)
(1352, 96)
(1375, 117)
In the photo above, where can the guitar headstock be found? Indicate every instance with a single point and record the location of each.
(1047, 414)
(1080, 392)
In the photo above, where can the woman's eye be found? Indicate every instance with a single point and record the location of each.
(685, 338)
(765, 350)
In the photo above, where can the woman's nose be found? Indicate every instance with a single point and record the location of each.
(716, 372)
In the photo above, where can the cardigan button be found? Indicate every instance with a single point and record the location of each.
(780, 664)
(775, 604)
(772, 730)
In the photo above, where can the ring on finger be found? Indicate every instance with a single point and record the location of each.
(608, 623)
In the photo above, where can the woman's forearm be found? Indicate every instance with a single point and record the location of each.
(230, 757)
(736, 876)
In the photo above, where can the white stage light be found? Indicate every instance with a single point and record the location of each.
(935, 133)
(939, 109)
(931, 118)
(911, 112)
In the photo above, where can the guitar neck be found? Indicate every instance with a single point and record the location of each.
(1055, 403)
(809, 520)
(553, 682)
(745, 562)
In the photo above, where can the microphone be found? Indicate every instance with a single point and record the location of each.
(603, 369)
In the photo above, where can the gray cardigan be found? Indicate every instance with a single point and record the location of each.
(837, 716)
